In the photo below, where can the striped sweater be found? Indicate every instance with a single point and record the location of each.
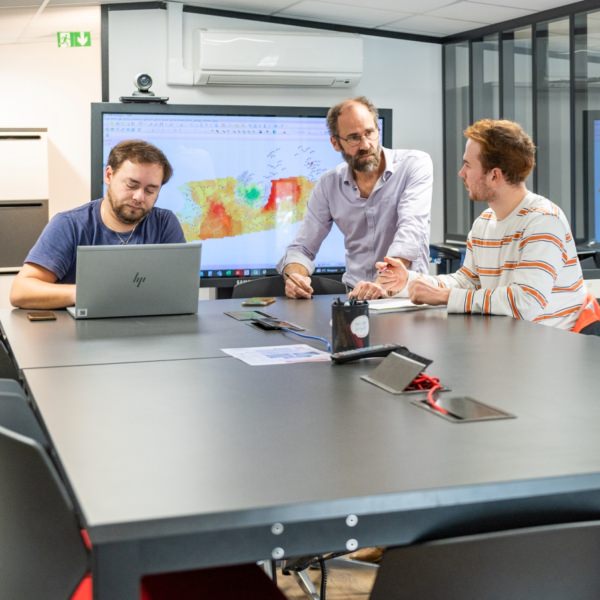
(524, 266)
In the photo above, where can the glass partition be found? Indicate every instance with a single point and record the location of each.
(553, 100)
(457, 118)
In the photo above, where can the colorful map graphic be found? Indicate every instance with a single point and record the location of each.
(229, 206)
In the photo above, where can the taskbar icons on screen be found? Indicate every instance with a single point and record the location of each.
(237, 273)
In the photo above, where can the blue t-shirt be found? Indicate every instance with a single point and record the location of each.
(56, 248)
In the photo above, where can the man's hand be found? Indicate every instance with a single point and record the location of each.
(297, 286)
(392, 274)
(421, 292)
(367, 290)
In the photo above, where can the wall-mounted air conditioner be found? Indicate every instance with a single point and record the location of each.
(285, 59)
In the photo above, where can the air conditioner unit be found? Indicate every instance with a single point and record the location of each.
(285, 59)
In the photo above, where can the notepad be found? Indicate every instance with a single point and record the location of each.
(395, 305)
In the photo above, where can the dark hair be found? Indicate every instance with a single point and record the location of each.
(334, 112)
(140, 152)
(504, 145)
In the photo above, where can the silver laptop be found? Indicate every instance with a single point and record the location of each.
(138, 280)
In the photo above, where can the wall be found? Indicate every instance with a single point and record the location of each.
(45, 86)
(398, 74)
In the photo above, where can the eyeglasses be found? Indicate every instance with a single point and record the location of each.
(354, 139)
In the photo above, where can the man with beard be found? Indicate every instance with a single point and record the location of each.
(380, 199)
(134, 175)
(521, 260)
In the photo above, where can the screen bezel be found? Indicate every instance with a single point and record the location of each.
(99, 109)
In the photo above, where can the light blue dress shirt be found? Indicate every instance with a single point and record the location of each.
(393, 221)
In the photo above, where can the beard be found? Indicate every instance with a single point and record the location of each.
(124, 213)
(365, 161)
(478, 193)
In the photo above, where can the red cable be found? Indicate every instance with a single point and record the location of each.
(424, 382)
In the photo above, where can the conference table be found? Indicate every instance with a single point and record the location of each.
(179, 456)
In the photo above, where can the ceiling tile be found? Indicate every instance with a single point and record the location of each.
(340, 13)
(428, 25)
(482, 13)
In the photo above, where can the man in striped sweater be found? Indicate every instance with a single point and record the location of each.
(521, 258)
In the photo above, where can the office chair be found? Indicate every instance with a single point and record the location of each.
(551, 562)
(43, 553)
(7, 367)
(16, 414)
(448, 258)
(275, 286)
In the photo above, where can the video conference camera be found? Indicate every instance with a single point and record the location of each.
(143, 83)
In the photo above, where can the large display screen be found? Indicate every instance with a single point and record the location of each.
(242, 177)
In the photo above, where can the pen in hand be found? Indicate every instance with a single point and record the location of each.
(299, 284)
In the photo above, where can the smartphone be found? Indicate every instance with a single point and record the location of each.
(41, 315)
(266, 324)
(274, 323)
(262, 301)
(285, 324)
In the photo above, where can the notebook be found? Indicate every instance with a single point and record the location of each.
(137, 280)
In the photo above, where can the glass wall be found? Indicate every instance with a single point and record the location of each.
(457, 112)
(586, 41)
(517, 80)
(486, 78)
(544, 75)
(553, 125)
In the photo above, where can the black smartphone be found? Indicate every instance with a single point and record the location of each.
(266, 324)
(41, 315)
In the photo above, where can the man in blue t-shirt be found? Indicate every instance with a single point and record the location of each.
(134, 175)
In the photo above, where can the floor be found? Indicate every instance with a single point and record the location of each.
(345, 581)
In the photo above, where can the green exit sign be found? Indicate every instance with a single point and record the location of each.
(74, 39)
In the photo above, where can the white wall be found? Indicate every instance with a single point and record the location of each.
(42, 85)
(398, 74)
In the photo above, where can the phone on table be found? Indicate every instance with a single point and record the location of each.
(273, 323)
(258, 301)
(41, 315)
(266, 324)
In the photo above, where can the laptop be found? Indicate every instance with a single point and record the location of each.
(135, 281)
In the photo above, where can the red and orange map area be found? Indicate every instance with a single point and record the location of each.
(227, 207)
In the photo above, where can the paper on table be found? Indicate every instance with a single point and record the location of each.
(278, 355)
(395, 305)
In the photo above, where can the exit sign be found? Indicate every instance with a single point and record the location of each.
(74, 39)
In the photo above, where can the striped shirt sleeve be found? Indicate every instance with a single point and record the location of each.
(530, 268)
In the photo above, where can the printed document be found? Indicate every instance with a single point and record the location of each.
(278, 355)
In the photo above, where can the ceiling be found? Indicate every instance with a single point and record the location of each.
(437, 18)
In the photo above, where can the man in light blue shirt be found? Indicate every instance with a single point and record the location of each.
(380, 200)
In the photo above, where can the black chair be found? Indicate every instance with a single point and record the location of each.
(555, 562)
(275, 286)
(448, 258)
(43, 553)
(7, 367)
(16, 414)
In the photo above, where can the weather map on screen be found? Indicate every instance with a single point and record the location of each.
(241, 182)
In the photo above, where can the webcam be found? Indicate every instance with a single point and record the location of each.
(143, 83)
